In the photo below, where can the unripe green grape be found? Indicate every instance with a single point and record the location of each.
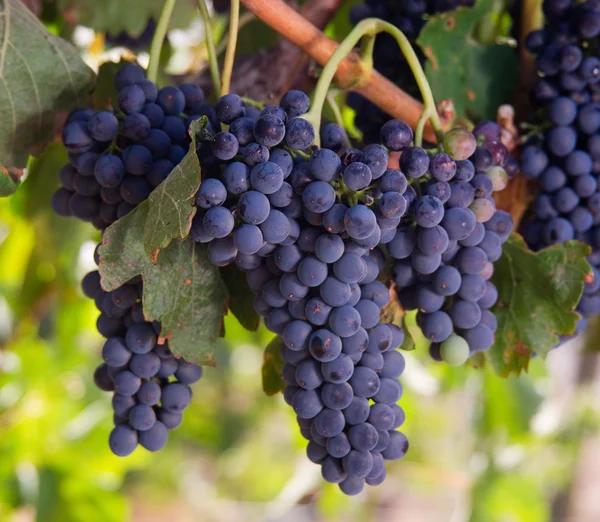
(499, 178)
(460, 144)
(454, 350)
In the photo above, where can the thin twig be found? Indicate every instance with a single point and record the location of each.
(158, 39)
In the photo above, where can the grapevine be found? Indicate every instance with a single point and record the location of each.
(356, 212)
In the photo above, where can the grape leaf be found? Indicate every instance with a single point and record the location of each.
(114, 17)
(182, 290)
(538, 293)
(171, 205)
(241, 298)
(185, 293)
(41, 76)
(477, 78)
(272, 368)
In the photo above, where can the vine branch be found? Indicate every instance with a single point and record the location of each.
(351, 72)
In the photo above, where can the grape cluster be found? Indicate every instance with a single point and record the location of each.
(151, 386)
(564, 157)
(446, 246)
(409, 16)
(115, 161)
(306, 229)
(116, 158)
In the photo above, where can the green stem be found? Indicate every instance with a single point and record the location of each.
(253, 103)
(234, 23)
(371, 27)
(159, 37)
(210, 47)
(366, 50)
(337, 114)
(420, 126)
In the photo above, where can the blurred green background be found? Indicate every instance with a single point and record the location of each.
(482, 448)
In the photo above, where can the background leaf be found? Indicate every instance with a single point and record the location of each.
(114, 18)
(538, 293)
(241, 297)
(272, 367)
(476, 77)
(41, 76)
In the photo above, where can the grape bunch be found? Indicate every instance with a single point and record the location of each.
(446, 246)
(307, 230)
(115, 161)
(564, 156)
(151, 386)
(116, 158)
(409, 16)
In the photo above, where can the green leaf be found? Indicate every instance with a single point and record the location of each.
(477, 78)
(105, 92)
(185, 293)
(394, 314)
(112, 17)
(9, 180)
(273, 367)
(183, 290)
(241, 297)
(41, 76)
(538, 293)
(122, 254)
(171, 205)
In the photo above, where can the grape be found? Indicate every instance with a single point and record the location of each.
(300, 134)
(269, 130)
(308, 374)
(212, 193)
(218, 222)
(115, 352)
(324, 346)
(295, 103)
(254, 154)
(225, 146)
(333, 471)
(329, 423)
(254, 207)
(176, 397)
(364, 382)
(329, 248)
(126, 383)
(360, 222)
(397, 447)
(339, 370)
(350, 268)
(396, 135)
(325, 165)
(333, 137)
(149, 393)
(307, 403)
(312, 272)
(392, 205)
(140, 338)
(131, 99)
(344, 321)
(414, 162)
(429, 211)
(459, 143)
(155, 438)
(357, 176)
(123, 440)
(318, 196)
(266, 177)
(358, 464)
(276, 227)
(454, 350)
(145, 365)
(142, 417)
(338, 446)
